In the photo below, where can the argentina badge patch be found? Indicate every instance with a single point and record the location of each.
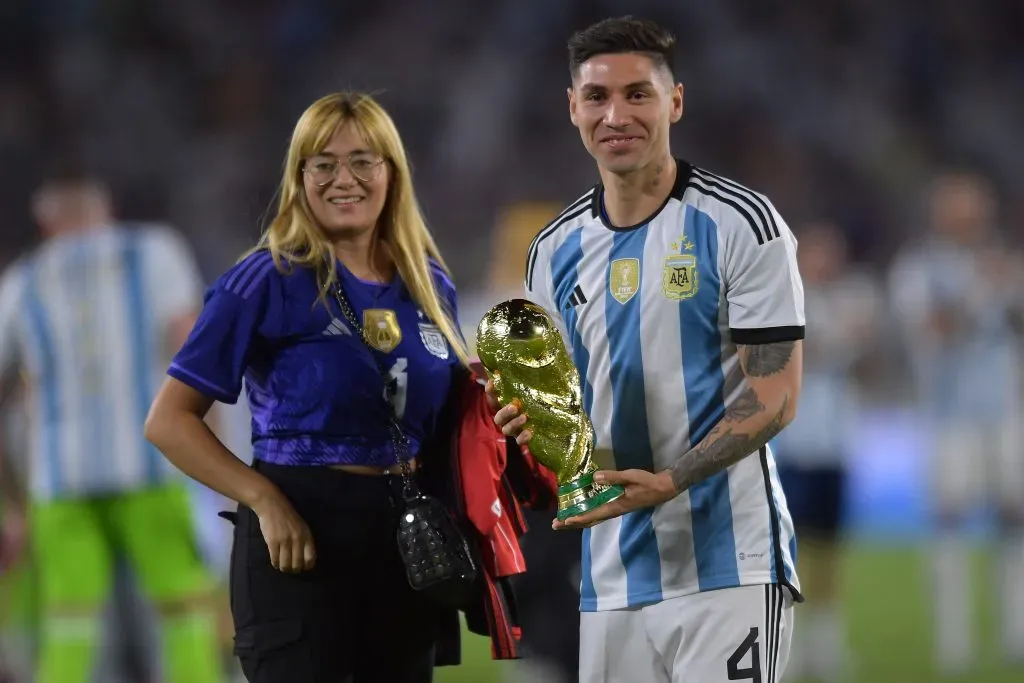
(433, 340)
(679, 276)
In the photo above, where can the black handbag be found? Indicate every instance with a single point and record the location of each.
(436, 554)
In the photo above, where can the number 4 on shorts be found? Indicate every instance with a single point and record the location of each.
(753, 672)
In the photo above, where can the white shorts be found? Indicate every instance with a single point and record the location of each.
(733, 634)
(979, 464)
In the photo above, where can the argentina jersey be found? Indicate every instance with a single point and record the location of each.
(652, 314)
(972, 371)
(85, 319)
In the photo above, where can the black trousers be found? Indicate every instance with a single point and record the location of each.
(351, 619)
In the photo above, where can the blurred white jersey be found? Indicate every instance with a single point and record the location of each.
(86, 317)
(653, 314)
(232, 423)
(971, 374)
(841, 318)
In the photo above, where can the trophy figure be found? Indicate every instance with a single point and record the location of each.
(524, 354)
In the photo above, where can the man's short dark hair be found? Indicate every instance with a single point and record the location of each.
(620, 35)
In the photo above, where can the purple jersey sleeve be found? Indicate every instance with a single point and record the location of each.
(242, 308)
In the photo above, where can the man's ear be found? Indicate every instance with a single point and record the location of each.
(677, 103)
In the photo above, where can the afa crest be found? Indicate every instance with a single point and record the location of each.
(624, 279)
(434, 341)
(380, 326)
(679, 278)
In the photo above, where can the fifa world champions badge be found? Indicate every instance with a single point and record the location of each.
(624, 279)
(381, 329)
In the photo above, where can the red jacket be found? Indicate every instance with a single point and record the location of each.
(493, 477)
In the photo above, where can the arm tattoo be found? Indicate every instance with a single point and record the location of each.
(746, 406)
(763, 360)
(723, 447)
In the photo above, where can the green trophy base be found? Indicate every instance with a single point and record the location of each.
(583, 494)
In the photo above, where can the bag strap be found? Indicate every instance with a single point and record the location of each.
(399, 440)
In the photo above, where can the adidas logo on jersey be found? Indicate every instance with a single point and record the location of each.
(337, 327)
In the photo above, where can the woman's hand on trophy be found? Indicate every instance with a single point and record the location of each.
(508, 417)
(643, 490)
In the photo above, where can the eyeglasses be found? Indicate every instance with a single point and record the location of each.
(364, 166)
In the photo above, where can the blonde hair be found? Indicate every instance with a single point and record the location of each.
(294, 238)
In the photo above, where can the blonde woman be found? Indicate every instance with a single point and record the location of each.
(318, 589)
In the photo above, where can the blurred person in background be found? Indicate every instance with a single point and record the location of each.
(91, 317)
(842, 309)
(346, 281)
(681, 298)
(958, 298)
(17, 616)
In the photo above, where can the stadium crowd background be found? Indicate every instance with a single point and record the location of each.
(841, 111)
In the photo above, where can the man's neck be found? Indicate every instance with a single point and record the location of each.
(630, 199)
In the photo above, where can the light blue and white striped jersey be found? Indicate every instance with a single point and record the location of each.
(86, 316)
(653, 314)
(972, 374)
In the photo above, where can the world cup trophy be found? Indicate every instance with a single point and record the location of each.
(524, 354)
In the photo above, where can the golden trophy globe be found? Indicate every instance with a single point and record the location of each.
(525, 357)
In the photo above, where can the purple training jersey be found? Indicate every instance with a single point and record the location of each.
(315, 392)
